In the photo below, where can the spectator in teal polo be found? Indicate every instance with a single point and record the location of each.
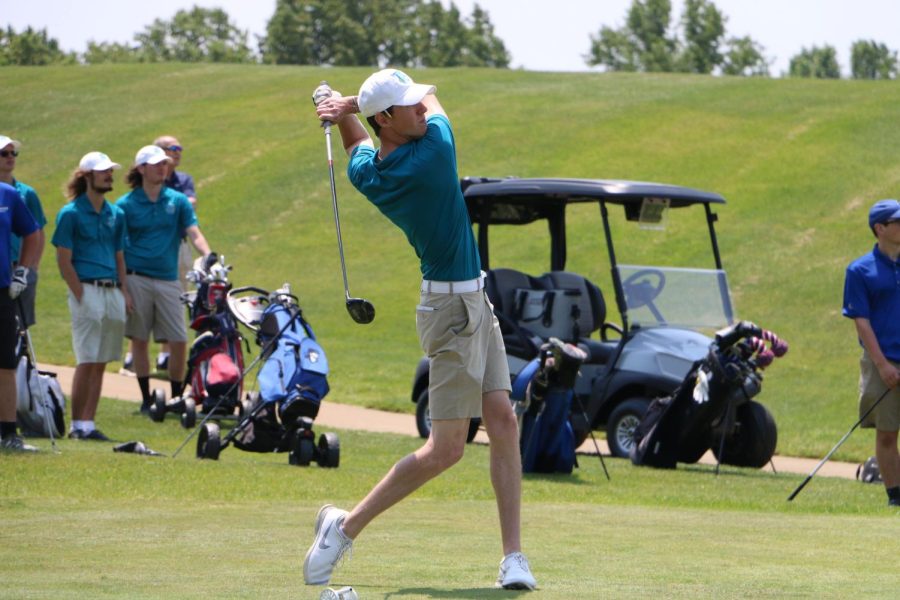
(90, 242)
(15, 219)
(156, 217)
(9, 151)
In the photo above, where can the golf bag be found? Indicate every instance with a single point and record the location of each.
(216, 358)
(292, 381)
(546, 438)
(34, 389)
(712, 408)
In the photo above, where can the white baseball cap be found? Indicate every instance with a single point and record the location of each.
(97, 161)
(5, 141)
(151, 155)
(387, 88)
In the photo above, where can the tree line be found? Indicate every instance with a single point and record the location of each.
(423, 33)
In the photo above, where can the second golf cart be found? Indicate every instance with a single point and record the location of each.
(666, 313)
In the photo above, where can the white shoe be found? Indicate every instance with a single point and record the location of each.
(329, 546)
(515, 574)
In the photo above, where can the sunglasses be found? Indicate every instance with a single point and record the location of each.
(175, 148)
(7, 153)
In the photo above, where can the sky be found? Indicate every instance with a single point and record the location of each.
(540, 35)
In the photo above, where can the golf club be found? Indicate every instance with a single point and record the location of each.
(362, 311)
(48, 406)
(838, 445)
(591, 433)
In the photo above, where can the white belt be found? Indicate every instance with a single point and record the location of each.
(453, 287)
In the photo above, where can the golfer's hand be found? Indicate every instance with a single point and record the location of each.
(19, 282)
(336, 107)
(889, 374)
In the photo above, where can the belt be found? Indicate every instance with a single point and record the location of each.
(103, 283)
(453, 287)
(138, 273)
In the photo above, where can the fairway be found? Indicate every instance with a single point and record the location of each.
(90, 522)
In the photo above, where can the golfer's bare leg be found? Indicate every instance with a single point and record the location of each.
(506, 465)
(140, 354)
(95, 386)
(443, 449)
(7, 395)
(81, 392)
(888, 457)
(177, 362)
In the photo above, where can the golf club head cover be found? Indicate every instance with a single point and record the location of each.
(19, 282)
(209, 260)
(779, 346)
(764, 356)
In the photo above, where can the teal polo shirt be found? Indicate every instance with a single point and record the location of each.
(93, 237)
(33, 202)
(417, 188)
(155, 230)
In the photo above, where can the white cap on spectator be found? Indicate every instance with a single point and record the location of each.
(97, 161)
(387, 88)
(6, 141)
(150, 155)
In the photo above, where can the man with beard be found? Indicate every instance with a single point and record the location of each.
(90, 242)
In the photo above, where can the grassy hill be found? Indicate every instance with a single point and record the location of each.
(798, 161)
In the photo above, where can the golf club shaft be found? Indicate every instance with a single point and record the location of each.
(836, 446)
(337, 218)
(591, 433)
(49, 421)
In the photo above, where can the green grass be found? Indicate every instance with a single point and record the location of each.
(92, 523)
(799, 162)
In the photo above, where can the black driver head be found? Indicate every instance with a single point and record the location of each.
(361, 310)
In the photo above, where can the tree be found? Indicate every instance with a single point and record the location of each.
(871, 60)
(198, 35)
(644, 43)
(704, 28)
(109, 52)
(745, 57)
(818, 63)
(31, 48)
(405, 33)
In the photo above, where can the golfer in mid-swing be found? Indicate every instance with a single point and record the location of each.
(412, 179)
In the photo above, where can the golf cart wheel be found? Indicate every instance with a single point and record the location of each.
(328, 453)
(208, 442)
(189, 416)
(753, 442)
(303, 449)
(423, 419)
(621, 424)
(158, 405)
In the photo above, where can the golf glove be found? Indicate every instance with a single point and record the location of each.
(323, 92)
(19, 282)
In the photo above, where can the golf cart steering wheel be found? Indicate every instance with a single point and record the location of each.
(639, 288)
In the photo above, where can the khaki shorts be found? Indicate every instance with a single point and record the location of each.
(157, 309)
(886, 416)
(461, 337)
(98, 324)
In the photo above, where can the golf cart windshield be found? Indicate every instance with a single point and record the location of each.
(693, 298)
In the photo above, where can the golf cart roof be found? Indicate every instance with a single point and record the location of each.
(516, 201)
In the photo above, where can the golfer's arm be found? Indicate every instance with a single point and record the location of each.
(30, 251)
(67, 270)
(197, 240)
(869, 341)
(432, 106)
(353, 133)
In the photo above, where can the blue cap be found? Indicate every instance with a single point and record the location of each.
(884, 211)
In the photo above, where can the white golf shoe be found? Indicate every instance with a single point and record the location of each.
(328, 547)
(515, 574)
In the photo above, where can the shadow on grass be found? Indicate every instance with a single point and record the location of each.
(474, 593)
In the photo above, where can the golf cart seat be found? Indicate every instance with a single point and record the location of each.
(583, 312)
(501, 286)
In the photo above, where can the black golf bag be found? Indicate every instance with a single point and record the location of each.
(713, 406)
(546, 438)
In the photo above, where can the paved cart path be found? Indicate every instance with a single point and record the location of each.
(346, 416)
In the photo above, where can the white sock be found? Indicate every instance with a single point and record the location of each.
(85, 426)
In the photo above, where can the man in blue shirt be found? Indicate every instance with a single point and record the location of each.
(9, 151)
(412, 179)
(15, 219)
(872, 300)
(90, 241)
(156, 217)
